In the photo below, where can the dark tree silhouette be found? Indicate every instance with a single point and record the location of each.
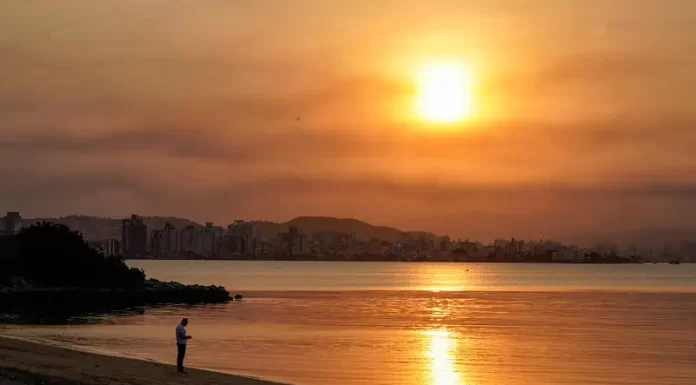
(54, 255)
(8, 258)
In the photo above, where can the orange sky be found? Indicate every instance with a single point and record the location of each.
(584, 119)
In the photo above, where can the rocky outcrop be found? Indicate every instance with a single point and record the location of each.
(175, 292)
(21, 299)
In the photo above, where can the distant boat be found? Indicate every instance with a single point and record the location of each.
(674, 262)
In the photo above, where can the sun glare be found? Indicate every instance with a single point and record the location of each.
(445, 92)
(442, 356)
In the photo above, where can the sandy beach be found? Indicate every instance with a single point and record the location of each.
(24, 362)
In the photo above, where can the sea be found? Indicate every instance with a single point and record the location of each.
(360, 323)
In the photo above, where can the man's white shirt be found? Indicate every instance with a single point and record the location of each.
(181, 334)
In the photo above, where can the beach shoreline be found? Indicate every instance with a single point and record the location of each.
(28, 362)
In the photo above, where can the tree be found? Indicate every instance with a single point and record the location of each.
(54, 255)
(8, 258)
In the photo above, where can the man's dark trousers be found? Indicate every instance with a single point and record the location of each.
(181, 352)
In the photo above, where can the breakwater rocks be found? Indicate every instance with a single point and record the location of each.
(69, 301)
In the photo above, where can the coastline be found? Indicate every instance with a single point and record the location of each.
(24, 362)
(485, 261)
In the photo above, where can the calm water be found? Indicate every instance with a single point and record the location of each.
(412, 324)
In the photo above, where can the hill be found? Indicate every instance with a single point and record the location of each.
(96, 228)
(311, 225)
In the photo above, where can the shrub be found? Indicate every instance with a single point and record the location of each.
(54, 255)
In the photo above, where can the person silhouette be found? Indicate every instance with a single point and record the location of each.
(181, 339)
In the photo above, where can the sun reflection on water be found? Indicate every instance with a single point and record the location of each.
(441, 355)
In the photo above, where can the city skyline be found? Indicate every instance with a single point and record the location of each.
(334, 239)
(155, 232)
(573, 119)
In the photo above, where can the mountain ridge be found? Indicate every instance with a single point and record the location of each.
(101, 228)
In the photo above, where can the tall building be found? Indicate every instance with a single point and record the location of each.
(112, 247)
(12, 223)
(237, 240)
(155, 237)
(187, 240)
(294, 242)
(207, 240)
(133, 236)
(169, 241)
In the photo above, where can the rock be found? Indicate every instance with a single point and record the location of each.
(75, 301)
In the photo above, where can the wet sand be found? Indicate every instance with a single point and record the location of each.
(24, 362)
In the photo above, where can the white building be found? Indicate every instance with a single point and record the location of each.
(512, 246)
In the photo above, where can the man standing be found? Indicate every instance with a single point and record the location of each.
(181, 339)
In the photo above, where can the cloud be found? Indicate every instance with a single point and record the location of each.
(601, 153)
(594, 85)
(591, 67)
(202, 121)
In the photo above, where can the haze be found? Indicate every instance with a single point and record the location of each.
(266, 109)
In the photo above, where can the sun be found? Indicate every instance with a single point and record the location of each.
(445, 92)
